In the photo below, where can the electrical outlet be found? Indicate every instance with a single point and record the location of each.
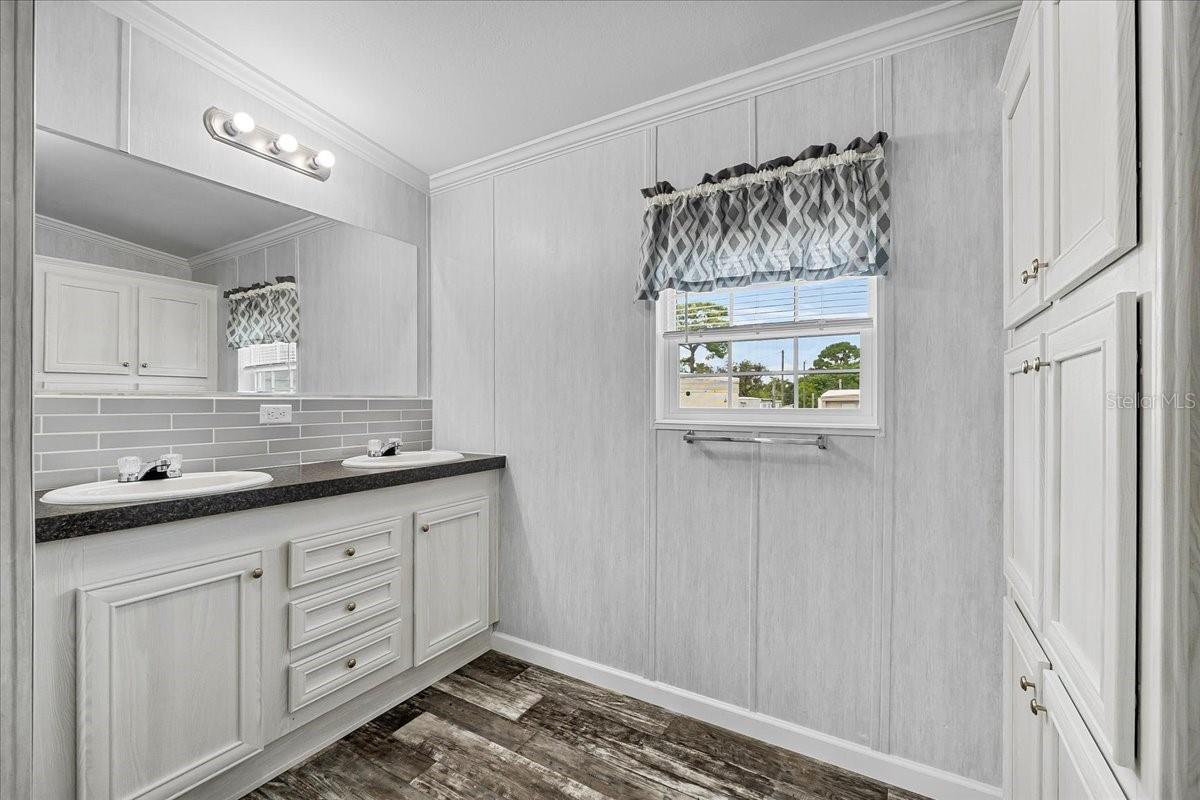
(274, 415)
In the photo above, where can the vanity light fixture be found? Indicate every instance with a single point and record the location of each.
(240, 131)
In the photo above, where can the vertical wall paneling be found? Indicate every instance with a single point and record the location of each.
(705, 519)
(571, 383)
(651, 546)
(124, 81)
(947, 407)
(464, 327)
(831, 108)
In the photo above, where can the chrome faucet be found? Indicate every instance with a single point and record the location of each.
(377, 449)
(131, 468)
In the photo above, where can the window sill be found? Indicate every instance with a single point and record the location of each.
(832, 428)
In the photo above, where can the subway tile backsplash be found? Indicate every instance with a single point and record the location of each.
(79, 439)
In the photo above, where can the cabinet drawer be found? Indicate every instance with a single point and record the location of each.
(329, 612)
(330, 670)
(319, 557)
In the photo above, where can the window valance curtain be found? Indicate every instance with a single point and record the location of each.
(264, 313)
(820, 215)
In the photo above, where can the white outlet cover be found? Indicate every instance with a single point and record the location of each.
(274, 415)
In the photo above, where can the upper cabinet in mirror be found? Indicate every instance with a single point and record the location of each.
(152, 280)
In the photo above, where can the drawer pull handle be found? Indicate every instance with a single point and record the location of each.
(350, 551)
(1035, 707)
(257, 573)
(351, 605)
(352, 663)
(425, 529)
(1026, 684)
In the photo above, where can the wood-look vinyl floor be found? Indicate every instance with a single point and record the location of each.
(501, 728)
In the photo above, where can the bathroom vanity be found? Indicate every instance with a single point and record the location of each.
(222, 638)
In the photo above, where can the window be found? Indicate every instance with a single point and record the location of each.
(267, 368)
(796, 353)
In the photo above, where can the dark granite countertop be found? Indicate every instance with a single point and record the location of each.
(289, 485)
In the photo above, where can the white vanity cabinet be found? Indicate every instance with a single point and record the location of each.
(170, 677)
(1070, 149)
(451, 597)
(1072, 767)
(1024, 665)
(197, 658)
(114, 329)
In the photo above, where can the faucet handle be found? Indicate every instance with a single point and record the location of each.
(174, 462)
(395, 444)
(129, 468)
(374, 448)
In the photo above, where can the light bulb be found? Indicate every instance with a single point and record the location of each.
(323, 160)
(285, 143)
(241, 122)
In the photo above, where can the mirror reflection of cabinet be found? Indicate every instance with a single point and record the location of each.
(112, 329)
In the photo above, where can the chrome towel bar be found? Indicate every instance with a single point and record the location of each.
(818, 440)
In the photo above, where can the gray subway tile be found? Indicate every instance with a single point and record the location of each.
(425, 413)
(155, 438)
(375, 405)
(252, 403)
(213, 420)
(155, 405)
(332, 454)
(105, 422)
(65, 405)
(333, 429)
(312, 443)
(66, 477)
(394, 426)
(58, 442)
(375, 416)
(96, 458)
(310, 417)
(258, 461)
(220, 450)
(256, 433)
(332, 404)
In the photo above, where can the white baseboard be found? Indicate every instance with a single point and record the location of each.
(890, 769)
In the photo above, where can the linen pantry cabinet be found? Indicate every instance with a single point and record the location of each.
(185, 659)
(114, 329)
(1069, 149)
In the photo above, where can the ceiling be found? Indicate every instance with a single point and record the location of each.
(443, 83)
(145, 203)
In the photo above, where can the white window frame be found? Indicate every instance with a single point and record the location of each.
(865, 418)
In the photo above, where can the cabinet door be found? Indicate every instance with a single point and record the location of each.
(169, 679)
(1090, 603)
(1023, 181)
(174, 331)
(1091, 139)
(450, 576)
(88, 323)
(1024, 664)
(1072, 766)
(1023, 424)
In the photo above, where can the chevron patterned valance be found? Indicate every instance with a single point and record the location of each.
(820, 215)
(265, 313)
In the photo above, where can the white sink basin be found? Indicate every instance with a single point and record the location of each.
(189, 485)
(418, 458)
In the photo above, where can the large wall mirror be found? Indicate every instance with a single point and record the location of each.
(154, 281)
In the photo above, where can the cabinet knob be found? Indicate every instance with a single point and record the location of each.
(350, 551)
(1036, 365)
(1035, 707)
(1029, 274)
(424, 529)
(257, 573)
(1026, 684)
(145, 364)
(124, 363)
(352, 663)
(351, 605)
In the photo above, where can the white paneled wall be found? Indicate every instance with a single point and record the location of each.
(855, 591)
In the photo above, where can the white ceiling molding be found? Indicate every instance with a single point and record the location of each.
(212, 56)
(260, 241)
(903, 33)
(96, 237)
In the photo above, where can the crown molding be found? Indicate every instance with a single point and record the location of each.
(96, 237)
(160, 25)
(903, 33)
(260, 241)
